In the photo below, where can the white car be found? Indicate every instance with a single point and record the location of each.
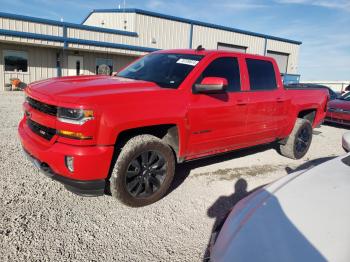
(305, 216)
(346, 141)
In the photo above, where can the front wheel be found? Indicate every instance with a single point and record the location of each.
(143, 171)
(299, 141)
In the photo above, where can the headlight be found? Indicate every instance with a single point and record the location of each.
(74, 116)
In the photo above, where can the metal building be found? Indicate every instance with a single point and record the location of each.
(33, 48)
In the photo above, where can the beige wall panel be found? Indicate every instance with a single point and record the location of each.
(119, 61)
(6, 76)
(31, 27)
(21, 40)
(64, 64)
(105, 49)
(100, 36)
(2, 83)
(291, 49)
(89, 64)
(41, 64)
(112, 21)
(168, 34)
(209, 37)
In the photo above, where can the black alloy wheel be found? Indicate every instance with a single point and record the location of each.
(145, 174)
(303, 140)
(298, 142)
(143, 171)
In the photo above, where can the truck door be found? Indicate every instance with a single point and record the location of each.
(218, 121)
(263, 113)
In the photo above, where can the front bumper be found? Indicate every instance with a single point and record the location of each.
(79, 187)
(91, 163)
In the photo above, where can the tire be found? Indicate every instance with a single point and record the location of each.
(137, 182)
(299, 141)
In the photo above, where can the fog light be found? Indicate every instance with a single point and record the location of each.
(70, 163)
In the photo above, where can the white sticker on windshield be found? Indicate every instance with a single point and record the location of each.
(187, 61)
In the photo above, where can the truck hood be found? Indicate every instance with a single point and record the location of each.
(340, 104)
(74, 89)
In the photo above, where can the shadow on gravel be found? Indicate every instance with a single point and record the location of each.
(183, 170)
(222, 208)
(309, 164)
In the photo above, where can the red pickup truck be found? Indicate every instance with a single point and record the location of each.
(125, 133)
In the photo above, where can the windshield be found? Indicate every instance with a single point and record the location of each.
(164, 69)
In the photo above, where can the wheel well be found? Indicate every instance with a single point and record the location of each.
(168, 133)
(309, 114)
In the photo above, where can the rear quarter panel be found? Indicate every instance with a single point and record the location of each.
(300, 100)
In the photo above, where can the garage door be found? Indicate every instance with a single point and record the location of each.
(281, 59)
(233, 48)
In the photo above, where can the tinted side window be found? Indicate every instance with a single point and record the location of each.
(261, 75)
(225, 67)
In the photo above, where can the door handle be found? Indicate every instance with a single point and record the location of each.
(241, 102)
(280, 99)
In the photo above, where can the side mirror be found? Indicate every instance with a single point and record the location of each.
(211, 85)
(114, 73)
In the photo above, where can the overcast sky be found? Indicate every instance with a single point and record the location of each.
(322, 25)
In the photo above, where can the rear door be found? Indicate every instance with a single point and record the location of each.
(217, 121)
(264, 116)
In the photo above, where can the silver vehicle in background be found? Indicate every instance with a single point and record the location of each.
(346, 142)
(305, 216)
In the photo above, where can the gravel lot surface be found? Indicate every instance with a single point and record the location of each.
(40, 220)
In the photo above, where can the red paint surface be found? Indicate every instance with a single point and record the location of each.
(207, 124)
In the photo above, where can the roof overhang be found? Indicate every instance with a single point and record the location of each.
(190, 21)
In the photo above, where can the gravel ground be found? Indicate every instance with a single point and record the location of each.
(40, 220)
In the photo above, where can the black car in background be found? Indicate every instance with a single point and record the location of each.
(332, 95)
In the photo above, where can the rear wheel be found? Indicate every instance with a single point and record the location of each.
(299, 141)
(143, 171)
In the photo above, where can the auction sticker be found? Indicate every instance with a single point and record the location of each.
(187, 62)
